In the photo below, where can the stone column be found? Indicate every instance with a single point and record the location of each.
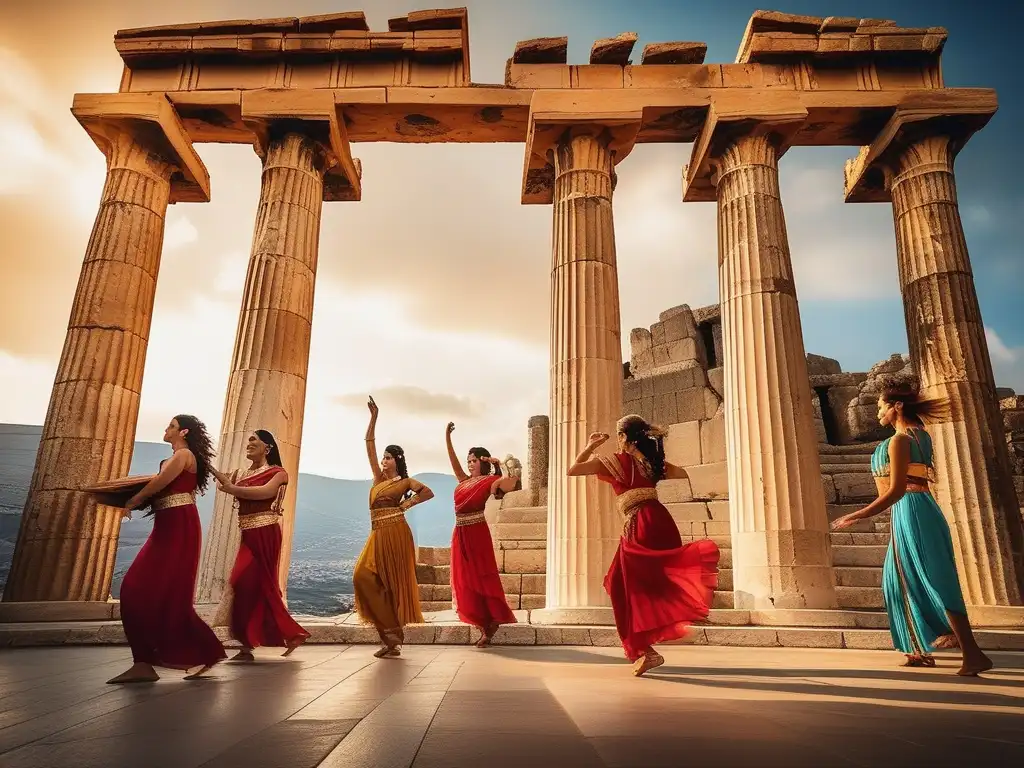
(586, 371)
(267, 384)
(780, 544)
(67, 544)
(950, 353)
(537, 452)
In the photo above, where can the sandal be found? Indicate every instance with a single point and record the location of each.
(919, 661)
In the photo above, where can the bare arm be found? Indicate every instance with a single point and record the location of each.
(673, 472)
(457, 470)
(501, 484)
(584, 465)
(168, 471)
(257, 492)
(371, 442)
(899, 463)
(422, 493)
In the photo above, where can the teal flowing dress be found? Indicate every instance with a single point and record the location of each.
(919, 579)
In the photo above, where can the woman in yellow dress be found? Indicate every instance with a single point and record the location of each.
(384, 580)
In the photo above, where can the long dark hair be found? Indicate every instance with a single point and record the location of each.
(273, 454)
(906, 390)
(482, 453)
(198, 441)
(648, 439)
(400, 466)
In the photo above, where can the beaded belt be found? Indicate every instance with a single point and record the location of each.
(173, 500)
(630, 501)
(258, 520)
(384, 516)
(470, 519)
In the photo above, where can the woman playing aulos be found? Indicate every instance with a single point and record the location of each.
(258, 613)
(385, 574)
(160, 622)
(476, 585)
(919, 580)
(657, 584)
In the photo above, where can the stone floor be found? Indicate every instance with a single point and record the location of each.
(448, 707)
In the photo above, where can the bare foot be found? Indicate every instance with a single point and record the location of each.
(138, 673)
(293, 645)
(647, 662)
(918, 661)
(975, 666)
(486, 636)
(199, 672)
(243, 656)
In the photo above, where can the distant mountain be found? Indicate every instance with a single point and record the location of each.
(331, 521)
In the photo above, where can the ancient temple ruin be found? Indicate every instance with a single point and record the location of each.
(303, 91)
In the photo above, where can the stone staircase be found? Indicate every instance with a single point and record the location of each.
(519, 529)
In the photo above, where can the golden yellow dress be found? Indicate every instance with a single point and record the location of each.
(385, 575)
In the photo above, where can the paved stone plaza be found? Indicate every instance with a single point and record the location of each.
(448, 707)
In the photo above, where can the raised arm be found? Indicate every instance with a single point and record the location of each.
(421, 493)
(899, 463)
(257, 492)
(169, 470)
(371, 441)
(584, 465)
(501, 484)
(457, 470)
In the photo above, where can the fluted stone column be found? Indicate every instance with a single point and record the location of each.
(267, 385)
(780, 546)
(586, 372)
(67, 544)
(950, 353)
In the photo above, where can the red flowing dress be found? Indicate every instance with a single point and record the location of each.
(259, 616)
(657, 584)
(157, 594)
(476, 586)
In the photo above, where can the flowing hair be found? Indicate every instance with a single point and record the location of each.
(648, 439)
(480, 454)
(906, 390)
(198, 441)
(401, 467)
(273, 454)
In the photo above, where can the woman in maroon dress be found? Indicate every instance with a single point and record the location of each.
(258, 613)
(160, 622)
(476, 586)
(657, 584)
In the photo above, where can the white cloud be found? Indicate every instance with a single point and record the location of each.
(178, 232)
(998, 349)
(26, 385)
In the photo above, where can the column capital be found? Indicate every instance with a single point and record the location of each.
(314, 114)
(152, 122)
(952, 116)
(556, 117)
(732, 116)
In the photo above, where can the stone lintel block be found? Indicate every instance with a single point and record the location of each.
(674, 53)
(613, 50)
(152, 121)
(541, 50)
(779, 113)
(957, 114)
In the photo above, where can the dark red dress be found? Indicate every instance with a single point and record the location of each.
(259, 616)
(658, 585)
(157, 594)
(476, 586)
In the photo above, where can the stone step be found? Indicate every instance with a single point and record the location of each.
(433, 574)
(858, 576)
(858, 554)
(857, 449)
(869, 538)
(520, 531)
(860, 597)
(723, 599)
(435, 593)
(522, 515)
(856, 459)
(847, 468)
(433, 555)
(325, 631)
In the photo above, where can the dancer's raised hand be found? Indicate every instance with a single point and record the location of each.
(597, 439)
(374, 410)
(451, 427)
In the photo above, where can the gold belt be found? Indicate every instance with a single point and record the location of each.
(384, 516)
(173, 500)
(630, 501)
(259, 520)
(470, 519)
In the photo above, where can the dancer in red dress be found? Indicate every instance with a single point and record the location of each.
(160, 622)
(259, 616)
(476, 587)
(657, 584)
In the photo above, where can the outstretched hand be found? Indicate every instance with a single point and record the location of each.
(843, 522)
(598, 439)
(374, 410)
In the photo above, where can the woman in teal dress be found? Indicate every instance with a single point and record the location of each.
(919, 580)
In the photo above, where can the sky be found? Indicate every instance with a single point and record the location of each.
(443, 221)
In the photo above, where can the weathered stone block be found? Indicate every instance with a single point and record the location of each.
(671, 491)
(534, 584)
(665, 411)
(712, 440)
(709, 481)
(819, 366)
(683, 443)
(690, 404)
(512, 583)
(829, 486)
(716, 380)
(854, 487)
(525, 561)
(532, 602)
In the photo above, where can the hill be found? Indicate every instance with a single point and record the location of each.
(331, 521)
